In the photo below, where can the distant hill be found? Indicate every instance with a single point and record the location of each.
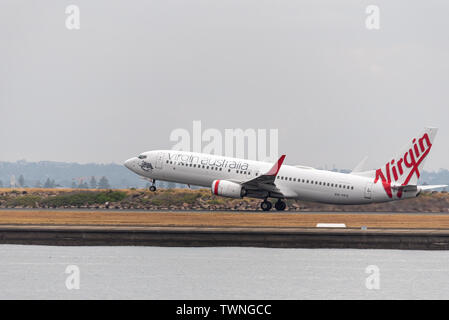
(65, 174)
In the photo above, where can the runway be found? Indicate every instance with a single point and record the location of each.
(218, 229)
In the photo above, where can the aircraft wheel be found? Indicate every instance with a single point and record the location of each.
(280, 205)
(266, 205)
(152, 188)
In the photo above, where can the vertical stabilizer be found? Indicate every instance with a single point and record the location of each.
(405, 168)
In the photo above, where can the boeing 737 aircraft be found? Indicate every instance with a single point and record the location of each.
(238, 178)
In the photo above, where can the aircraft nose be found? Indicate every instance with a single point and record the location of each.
(129, 163)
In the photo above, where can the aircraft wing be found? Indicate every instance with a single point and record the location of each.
(265, 181)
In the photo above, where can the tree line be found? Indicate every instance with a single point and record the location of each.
(103, 183)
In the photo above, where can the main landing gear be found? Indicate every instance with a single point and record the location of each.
(266, 205)
(153, 186)
(279, 205)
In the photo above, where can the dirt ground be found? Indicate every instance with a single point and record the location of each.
(221, 219)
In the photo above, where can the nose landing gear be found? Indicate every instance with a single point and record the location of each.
(152, 188)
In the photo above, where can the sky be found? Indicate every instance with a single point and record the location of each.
(135, 71)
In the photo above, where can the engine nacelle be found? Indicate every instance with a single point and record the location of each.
(228, 189)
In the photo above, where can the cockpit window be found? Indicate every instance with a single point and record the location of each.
(142, 156)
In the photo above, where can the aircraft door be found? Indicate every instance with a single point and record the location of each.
(159, 160)
(368, 190)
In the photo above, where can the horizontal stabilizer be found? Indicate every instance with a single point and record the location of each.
(430, 187)
(410, 187)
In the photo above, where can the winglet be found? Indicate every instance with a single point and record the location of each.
(275, 169)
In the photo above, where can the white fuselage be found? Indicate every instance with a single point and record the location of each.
(295, 182)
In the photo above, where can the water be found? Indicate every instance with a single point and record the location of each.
(38, 272)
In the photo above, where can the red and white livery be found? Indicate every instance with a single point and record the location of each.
(237, 178)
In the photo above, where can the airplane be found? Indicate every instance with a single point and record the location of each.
(238, 178)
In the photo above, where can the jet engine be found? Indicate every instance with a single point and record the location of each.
(227, 189)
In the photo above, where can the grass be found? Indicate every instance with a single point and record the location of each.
(24, 201)
(176, 198)
(60, 199)
(83, 198)
(169, 198)
(222, 219)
